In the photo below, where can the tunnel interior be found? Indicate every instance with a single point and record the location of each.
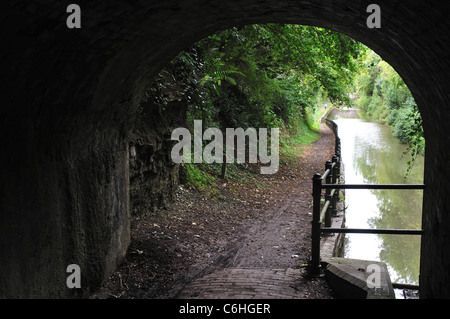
(71, 97)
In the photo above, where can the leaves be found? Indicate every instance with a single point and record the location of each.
(217, 70)
(261, 76)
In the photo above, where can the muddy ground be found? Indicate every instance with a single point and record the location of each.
(263, 222)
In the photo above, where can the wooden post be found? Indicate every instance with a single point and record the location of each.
(315, 231)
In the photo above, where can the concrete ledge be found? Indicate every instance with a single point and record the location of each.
(331, 244)
(349, 278)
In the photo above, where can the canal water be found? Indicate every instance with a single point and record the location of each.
(371, 154)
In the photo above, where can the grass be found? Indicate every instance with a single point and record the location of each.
(205, 177)
(292, 145)
(197, 177)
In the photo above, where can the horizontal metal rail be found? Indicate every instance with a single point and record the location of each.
(372, 231)
(397, 285)
(373, 186)
(328, 171)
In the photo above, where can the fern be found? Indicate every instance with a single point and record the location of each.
(216, 71)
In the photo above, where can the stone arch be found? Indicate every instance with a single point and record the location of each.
(70, 96)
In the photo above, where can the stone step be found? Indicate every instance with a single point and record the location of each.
(358, 279)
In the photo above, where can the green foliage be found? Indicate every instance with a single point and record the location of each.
(273, 75)
(277, 71)
(216, 71)
(198, 178)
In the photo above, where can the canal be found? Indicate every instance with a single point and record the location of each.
(371, 154)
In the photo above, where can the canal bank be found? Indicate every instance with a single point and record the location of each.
(371, 155)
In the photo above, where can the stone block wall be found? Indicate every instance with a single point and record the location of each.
(154, 177)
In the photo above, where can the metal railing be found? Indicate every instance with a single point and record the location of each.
(323, 214)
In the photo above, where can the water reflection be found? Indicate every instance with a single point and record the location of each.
(371, 154)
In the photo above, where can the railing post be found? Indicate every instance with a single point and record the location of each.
(315, 229)
(328, 180)
(335, 180)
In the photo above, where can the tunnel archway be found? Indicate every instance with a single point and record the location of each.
(70, 97)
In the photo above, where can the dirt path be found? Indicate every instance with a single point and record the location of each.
(262, 224)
